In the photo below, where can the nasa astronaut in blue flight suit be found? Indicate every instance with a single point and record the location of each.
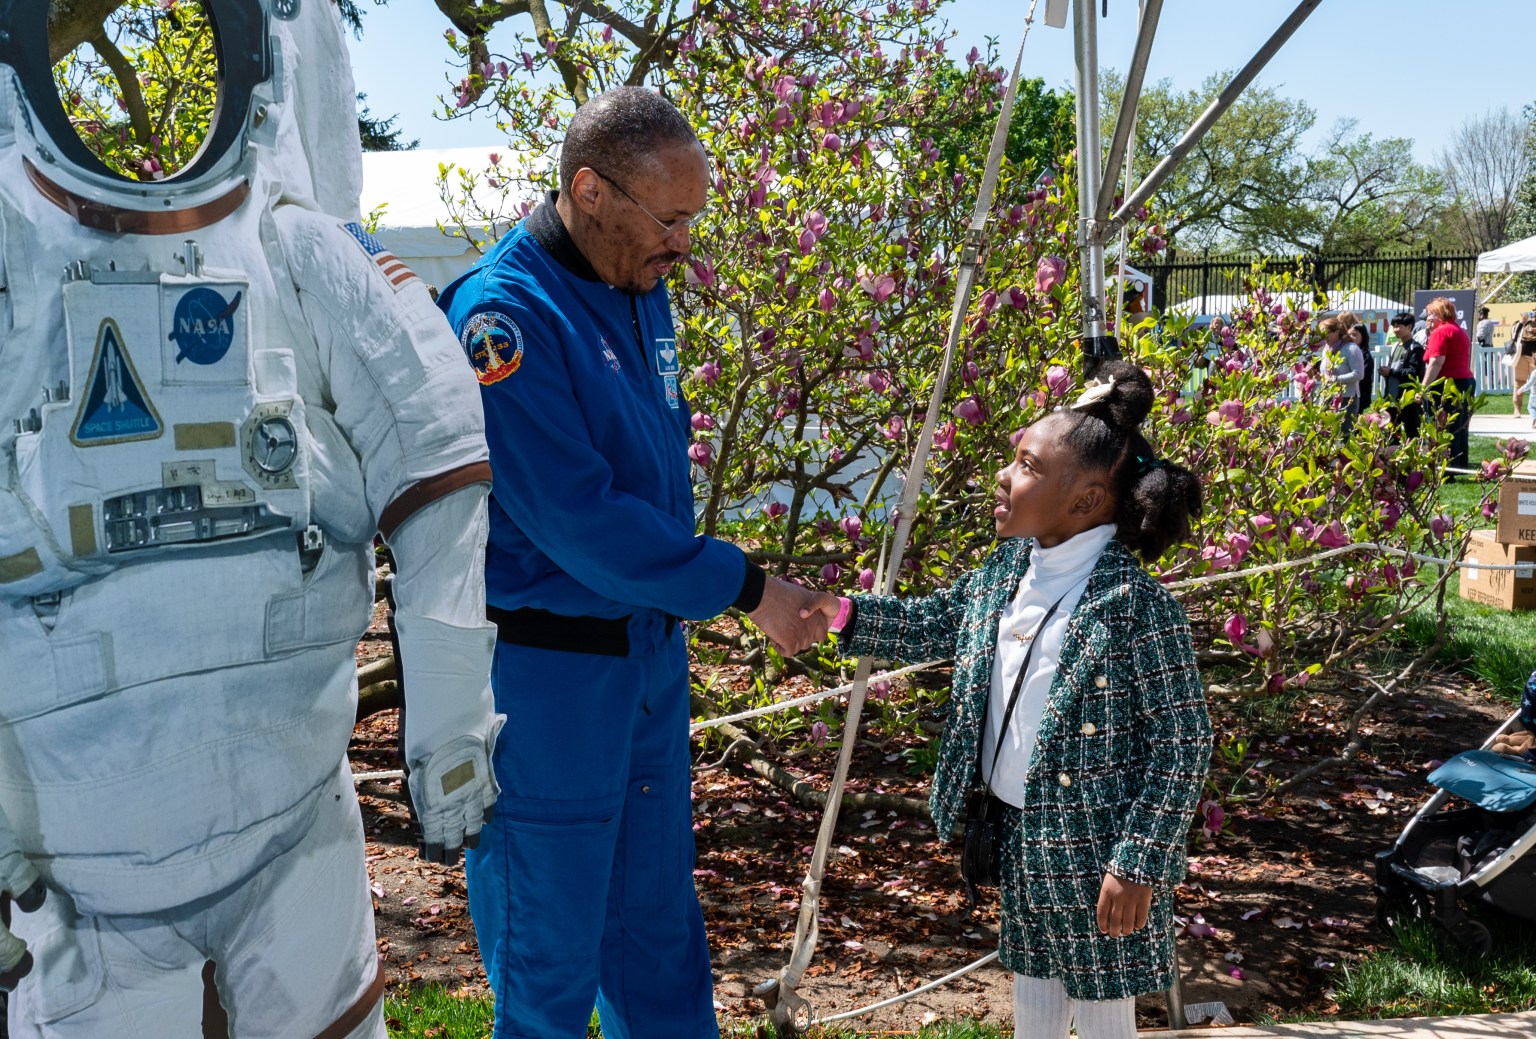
(582, 886)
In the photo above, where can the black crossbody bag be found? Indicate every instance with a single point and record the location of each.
(981, 854)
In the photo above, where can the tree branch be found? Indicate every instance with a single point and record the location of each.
(127, 82)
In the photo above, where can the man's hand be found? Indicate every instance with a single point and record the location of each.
(781, 616)
(823, 603)
(1123, 906)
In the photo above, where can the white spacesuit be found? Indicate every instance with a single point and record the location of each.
(214, 389)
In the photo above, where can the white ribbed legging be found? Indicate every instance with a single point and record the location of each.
(1043, 1010)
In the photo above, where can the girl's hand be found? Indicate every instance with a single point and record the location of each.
(1123, 906)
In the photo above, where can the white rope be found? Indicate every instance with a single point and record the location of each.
(370, 777)
(809, 698)
(945, 980)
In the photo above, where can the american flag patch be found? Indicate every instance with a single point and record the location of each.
(394, 269)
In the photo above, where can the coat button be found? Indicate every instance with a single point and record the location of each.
(1064, 779)
(1101, 682)
(645, 789)
(1089, 728)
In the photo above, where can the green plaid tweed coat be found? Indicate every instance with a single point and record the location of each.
(1117, 770)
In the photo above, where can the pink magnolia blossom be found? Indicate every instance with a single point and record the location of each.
(702, 454)
(944, 437)
(1490, 509)
(1018, 299)
(969, 373)
(879, 286)
(699, 273)
(1049, 272)
(775, 509)
(970, 411)
(893, 427)
(826, 300)
(877, 381)
(819, 733)
(831, 572)
(1058, 380)
(851, 525)
(1264, 523)
(1229, 553)
(880, 690)
(708, 373)
(1440, 525)
(806, 242)
(988, 301)
(832, 142)
(1236, 628)
(703, 422)
(1212, 816)
(1232, 411)
(1179, 417)
(1413, 481)
(866, 579)
(816, 223)
(1331, 536)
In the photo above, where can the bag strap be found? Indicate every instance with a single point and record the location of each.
(1018, 686)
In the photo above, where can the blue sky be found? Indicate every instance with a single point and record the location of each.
(1402, 68)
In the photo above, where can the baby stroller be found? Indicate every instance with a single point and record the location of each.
(1479, 855)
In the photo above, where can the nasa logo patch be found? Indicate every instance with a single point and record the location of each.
(203, 327)
(494, 344)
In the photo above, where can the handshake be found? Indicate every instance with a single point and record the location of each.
(794, 618)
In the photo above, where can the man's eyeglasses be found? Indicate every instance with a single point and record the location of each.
(667, 230)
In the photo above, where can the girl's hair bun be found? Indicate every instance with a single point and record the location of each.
(1119, 393)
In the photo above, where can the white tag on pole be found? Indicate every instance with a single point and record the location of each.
(1056, 12)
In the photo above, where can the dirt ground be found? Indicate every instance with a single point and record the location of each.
(1274, 904)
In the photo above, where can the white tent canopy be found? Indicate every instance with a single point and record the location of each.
(1337, 299)
(1510, 259)
(416, 213)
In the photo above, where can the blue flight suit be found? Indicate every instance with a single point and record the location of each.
(582, 886)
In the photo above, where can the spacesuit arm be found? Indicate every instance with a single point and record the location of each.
(560, 489)
(406, 405)
(445, 661)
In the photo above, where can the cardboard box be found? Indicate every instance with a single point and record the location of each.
(1517, 506)
(1505, 589)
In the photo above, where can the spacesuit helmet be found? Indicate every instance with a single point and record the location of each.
(258, 44)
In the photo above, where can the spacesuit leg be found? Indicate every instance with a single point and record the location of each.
(656, 980)
(98, 976)
(538, 881)
(296, 955)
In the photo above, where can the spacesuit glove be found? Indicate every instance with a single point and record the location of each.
(19, 879)
(454, 790)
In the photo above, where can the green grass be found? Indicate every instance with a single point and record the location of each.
(1412, 976)
(432, 1013)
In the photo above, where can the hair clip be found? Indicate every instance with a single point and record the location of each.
(1094, 392)
(1146, 465)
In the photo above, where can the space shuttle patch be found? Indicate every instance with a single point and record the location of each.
(116, 408)
(394, 270)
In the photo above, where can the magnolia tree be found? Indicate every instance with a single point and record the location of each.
(817, 298)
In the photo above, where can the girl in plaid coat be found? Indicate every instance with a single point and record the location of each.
(1103, 758)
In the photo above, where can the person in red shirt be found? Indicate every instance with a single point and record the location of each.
(1448, 356)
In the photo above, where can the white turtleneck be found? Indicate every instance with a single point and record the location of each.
(1053, 573)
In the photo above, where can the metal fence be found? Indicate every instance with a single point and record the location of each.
(1394, 276)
